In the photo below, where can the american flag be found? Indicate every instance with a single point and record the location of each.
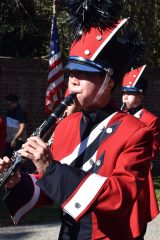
(55, 84)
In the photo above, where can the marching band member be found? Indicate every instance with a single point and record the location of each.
(100, 158)
(134, 87)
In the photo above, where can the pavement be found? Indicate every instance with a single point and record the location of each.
(50, 231)
(30, 232)
(153, 229)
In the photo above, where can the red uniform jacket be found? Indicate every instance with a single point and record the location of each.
(96, 180)
(151, 121)
(146, 208)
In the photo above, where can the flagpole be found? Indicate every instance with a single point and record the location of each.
(55, 81)
(54, 7)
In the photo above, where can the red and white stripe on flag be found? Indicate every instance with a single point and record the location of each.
(55, 84)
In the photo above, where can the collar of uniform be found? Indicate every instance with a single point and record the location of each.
(100, 115)
(132, 111)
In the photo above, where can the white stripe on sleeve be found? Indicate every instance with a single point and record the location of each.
(85, 195)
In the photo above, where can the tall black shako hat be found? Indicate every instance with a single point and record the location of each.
(95, 47)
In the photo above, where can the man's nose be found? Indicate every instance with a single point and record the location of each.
(74, 81)
(125, 95)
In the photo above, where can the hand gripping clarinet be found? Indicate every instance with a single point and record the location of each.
(16, 158)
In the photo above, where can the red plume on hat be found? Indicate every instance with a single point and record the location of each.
(95, 47)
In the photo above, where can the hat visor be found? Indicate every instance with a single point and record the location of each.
(85, 65)
(130, 89)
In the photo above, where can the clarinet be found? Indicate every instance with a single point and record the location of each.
(17, 159)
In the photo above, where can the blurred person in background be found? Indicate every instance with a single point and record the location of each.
(16, 121)
(2, 135)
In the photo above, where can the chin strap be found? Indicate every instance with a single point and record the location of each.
(109, 73)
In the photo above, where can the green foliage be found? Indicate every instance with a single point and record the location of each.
(145, 17)
(25, 27)
(157, 187)
(64, 34)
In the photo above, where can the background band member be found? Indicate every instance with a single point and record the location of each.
(134, 87)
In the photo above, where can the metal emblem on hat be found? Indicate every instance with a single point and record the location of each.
(99, 37)
(87, 52)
